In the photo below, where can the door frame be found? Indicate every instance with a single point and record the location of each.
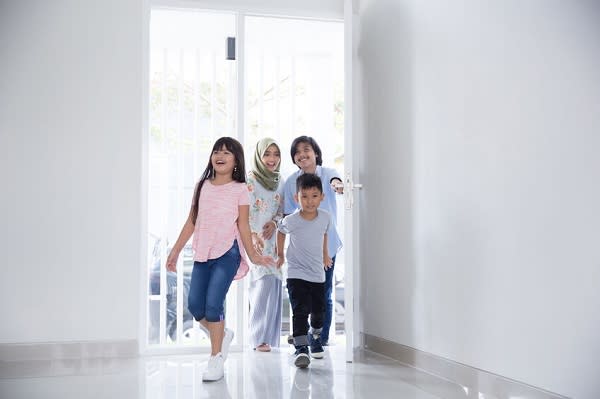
(352, 238)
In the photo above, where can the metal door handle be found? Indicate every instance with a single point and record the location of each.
(350, 186)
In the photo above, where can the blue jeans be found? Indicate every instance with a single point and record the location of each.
(328, 302)
(210, 283)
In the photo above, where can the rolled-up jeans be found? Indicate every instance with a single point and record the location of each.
(209, 285)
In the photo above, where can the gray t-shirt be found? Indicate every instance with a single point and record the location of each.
(305, 249)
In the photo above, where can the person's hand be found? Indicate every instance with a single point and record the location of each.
(280, 261)
(268, 230)
(338, 186)
(172, 261)
(258, 243)
(328, 262)
(262, 260)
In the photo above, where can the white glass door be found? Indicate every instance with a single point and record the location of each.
(294, 74)
(353, 139)
(193, 92)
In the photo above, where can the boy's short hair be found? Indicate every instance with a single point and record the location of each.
(308, 180)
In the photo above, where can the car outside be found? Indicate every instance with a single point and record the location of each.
(190, 333)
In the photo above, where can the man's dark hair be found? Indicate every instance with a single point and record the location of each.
(310, 141)
(308, 180)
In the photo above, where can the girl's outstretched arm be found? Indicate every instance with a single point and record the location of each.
(246, 235)
(184, 236)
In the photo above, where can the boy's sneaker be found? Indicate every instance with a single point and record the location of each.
(227, 338)
(214, 370)
(301, 360)
(316, 349)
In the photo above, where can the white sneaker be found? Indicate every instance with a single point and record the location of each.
(214, 370)
(227, 338)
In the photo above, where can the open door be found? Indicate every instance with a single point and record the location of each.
(351, 190)
(294, 85)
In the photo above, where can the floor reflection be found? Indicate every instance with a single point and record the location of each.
(248, 375)
(314, 382)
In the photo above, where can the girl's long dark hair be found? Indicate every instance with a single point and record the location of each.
(239, 171)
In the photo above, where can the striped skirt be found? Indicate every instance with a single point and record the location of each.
(265, 296)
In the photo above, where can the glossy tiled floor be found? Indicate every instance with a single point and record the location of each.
(248, 375)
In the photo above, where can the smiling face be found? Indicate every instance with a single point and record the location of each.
(309, 199)
(271, 157)
(223, 161)
(305, 157)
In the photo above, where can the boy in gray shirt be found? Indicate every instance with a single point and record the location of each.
(306, 256)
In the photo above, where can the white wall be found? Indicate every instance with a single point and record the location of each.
(483, 130)
(70, 166)
(71, 92)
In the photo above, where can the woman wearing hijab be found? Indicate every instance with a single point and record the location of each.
(266, 210)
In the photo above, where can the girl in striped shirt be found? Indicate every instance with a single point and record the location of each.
(218, 221)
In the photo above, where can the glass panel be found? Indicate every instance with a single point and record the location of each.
(295, 86)
(192, 102)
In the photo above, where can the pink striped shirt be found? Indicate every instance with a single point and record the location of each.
(216, 224)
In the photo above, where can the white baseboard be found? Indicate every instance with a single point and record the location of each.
(466, 376)
(68, 350)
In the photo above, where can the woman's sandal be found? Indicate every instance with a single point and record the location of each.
(264, 348)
